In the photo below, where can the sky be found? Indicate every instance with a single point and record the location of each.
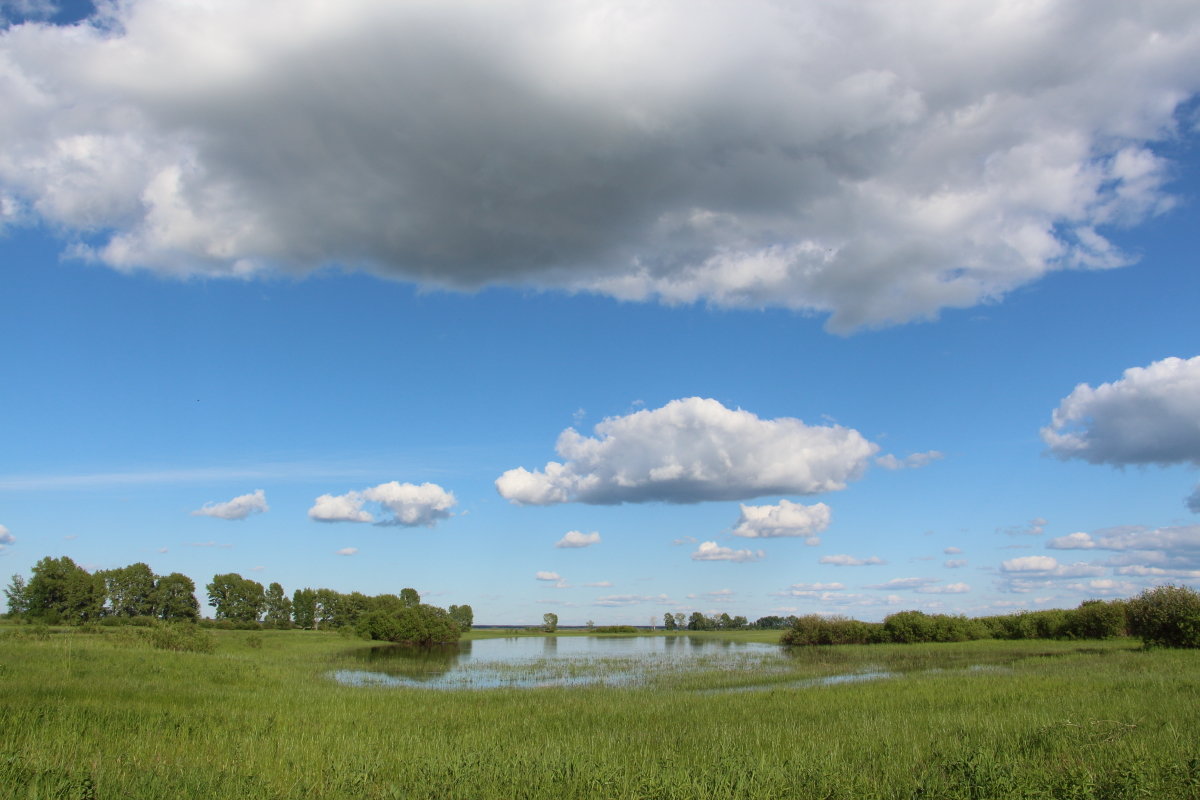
(606, 309)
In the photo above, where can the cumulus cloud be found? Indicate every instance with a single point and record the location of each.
(784, 519)
(688, 451)
(914, 461)
(1150, 416)
(1048, 566)
(6, 537)
(711, 551)
(543, 575)
(405, 504)
(1072, 541)
(855, 161)
(347, 551)
(949, 588)
(843, 560)
(238, 508)
(578, 539)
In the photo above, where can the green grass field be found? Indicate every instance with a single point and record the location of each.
(103, 715)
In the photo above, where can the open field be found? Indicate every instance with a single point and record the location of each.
(102, 715)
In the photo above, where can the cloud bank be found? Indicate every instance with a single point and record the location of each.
(404, 504)
(238, 508)
(875, 162)
(689, 451)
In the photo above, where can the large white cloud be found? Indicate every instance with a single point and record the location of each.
(407, 504)
(1150, 416)
(784, 519)
(688, 451)
(238, 508)
(877, 161)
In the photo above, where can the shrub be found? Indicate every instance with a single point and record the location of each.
(1168, 616)
(1096, 619)
(614, 629)
(421, 624)
(180, 637)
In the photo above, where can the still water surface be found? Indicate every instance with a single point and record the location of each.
(552, 661)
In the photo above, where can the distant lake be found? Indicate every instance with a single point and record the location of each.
(532, 661)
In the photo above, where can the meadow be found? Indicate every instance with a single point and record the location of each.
(102, 714)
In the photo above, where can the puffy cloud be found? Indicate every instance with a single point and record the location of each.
(1072, 541)
(1106, 586)
(841, 160)
(238, 508)
(1030, 564)
(1157, 572)
(6, 537)
(843, 560)
(914, 461)
(547, 576)
(954, 563)
(347, 551)
(785, 519)
(711, 551)
(578, 539)
(1150, 416)
(688, 451)
(408, 504)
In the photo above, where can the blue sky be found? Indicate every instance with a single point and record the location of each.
(313, 260)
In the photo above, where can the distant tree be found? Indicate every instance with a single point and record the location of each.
(420, 625)
(738, 623)
(669, 621)
(326, 608)
(278, 607)
(550, 622)
(304, 608)
(129, 591)
(175, 598)
(698, 622)
(1166, 616)
(723, 622)
(463, 616)
(410, 597)
(591, 625)
(60, 589)
(18, 602)
(680, 618)
(236, 598)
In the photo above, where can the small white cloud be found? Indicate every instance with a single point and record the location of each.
(347, 551)
(238, 508)
(950, 588)
(410, 505)
(692, 450)
(784, 519)
(952, 551)
(843, 560)
(578, 539)
(816, 587)
(6, 537)
(711, 551)
(1030, 564)
(547, 576)
(914, 461)
(954, 563)
(1072, 541)
(599, 584)
(904, 583)
(682, 540)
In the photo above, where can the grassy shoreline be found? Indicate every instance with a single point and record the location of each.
(100, 715)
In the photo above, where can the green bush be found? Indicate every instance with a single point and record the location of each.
(180, 637)
(420, 624)
(1166, 616)
(614, 629)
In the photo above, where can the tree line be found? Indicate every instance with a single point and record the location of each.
(61, 591)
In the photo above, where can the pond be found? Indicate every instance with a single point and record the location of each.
(527, 661)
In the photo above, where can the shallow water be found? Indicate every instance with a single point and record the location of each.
(526, 662)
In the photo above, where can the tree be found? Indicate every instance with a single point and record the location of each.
(61, 589)
(1167, 616)
(419, 625)
(463, 616)
(1096, 619)
(236, 598)
(175, 598)
(550, 622)
(410, 597)
(278, 606)
(669, 621)
(18, 602)
(304, 608)
(129, 591)
(680, 617)
(697, 622)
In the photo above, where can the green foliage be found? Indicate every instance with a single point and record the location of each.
(669, 621)
(304, 608)
(463, 616)
(236, 598)
(18, 600)
(1166, 616)
(181, 637)
(614, 629)
(175, 598)
(813, 629)
(278, 607)
(61, 590)
(550, 622)
(421, 624)
(1097, 619)
(410, 597)
(129, 591)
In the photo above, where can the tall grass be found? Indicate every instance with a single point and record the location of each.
(100, 715)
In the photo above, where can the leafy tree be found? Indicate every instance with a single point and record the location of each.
(61, 589)
(463, 616)
(1168, 616)
(410, 597)
(908, 627)
(129, 591)
(698, 622)
(278, 606)
(304, 608)
(175, 598)
(1096, 619)
(680, 618)
(326, 608)
(236, 598)
(18, 601)
(421, 625)
(550, 622)
(669, 621)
